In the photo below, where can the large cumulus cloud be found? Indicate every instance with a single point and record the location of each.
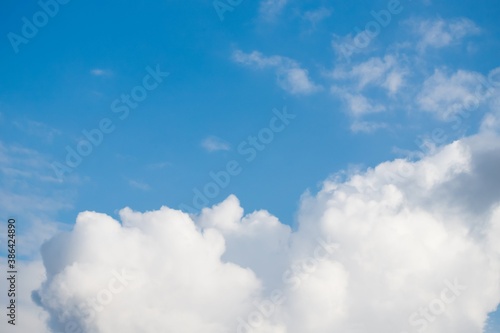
(403, 247)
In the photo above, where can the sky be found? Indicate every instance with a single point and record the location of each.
(210, 146)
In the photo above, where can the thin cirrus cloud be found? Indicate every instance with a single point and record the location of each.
(290, 76)
(220, 268)
(213, 144)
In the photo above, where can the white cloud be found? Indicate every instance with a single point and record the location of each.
(439, 33)
(289, 75)
(384, 72)
(346, 46)
(355, 84)
(189, 289)
(270, 9)
(404, 232)
(357, 104)
(213, 143)
(447, 94)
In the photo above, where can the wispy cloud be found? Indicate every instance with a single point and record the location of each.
(290, 76)
(100, 72)
(271, 9)
(139, 185)
(213, 143)
(317, 15)
(354, 86)
(31, 193)
(445, 94)
(439, 33)
(357, 104)
(366, 126)
(37, 129)
(383, 72)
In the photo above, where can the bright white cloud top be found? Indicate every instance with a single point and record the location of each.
(403, 247)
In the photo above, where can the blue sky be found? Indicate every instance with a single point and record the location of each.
(50, 81)
(229, 75)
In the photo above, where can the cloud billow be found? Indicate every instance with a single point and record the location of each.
(409, 256)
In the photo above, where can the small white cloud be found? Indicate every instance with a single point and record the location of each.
(446, 95)
(317, 15)
(345, 46)
(139, 185)
(270, 9)
(256, 59)
(351, 44)
(357, 104)
(296, 80)
(383, 72)
(290, 76)
(213, 143)
(100, 72)
(439, 33)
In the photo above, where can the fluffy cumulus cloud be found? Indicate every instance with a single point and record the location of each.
(289, 75)
(402, 247)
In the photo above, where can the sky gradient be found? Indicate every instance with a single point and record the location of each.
(280, 103)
